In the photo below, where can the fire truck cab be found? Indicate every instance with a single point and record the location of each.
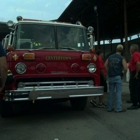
(50, 60)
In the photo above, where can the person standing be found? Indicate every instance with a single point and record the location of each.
(3, 68)
(114, 65)
(102, 81)
(135, 77)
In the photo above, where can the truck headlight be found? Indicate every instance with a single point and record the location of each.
(20, 68)
(91, 68)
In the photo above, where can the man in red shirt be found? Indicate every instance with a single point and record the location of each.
(135, 76)
(102, 81)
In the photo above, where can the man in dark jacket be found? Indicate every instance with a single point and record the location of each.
(3, 68)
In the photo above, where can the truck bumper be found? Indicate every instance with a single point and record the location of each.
(52, 92)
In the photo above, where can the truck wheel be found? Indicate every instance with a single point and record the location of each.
(78, 103)
(5, 108)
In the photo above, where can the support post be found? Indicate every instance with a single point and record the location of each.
(121, 40)
(125, 32)
(97, 22)
(110, 42)
(104, 48)
(121, 21)
(98, 37)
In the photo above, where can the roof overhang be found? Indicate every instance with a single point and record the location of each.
(110, 16)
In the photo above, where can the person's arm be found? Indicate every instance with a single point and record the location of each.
(106, 64)
(137, 69)
(136, 60)
(124, 66)
(102, 73)
(129, 66)
(101, 66)
(3, 72)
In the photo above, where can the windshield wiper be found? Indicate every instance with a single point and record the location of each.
(43, 48)
(69, 48)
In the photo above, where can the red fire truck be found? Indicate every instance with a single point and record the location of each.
(50, 60)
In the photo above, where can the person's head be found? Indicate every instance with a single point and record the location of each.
(119, 48)
(133, 48)
(99, 53)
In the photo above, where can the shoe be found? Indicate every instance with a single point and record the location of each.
(110, 110)
(101, 105)
(123, 110)
(129, 101)
(93, 102)
(132, 107)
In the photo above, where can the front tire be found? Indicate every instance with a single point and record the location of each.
(78, 103)
(5, 108)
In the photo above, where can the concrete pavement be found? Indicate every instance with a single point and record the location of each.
(58, 121)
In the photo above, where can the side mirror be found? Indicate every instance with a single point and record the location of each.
(5, 42)
(2, 42)
(10, 23)
(91, 36)
(90, 29)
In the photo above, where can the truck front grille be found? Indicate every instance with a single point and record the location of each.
(54, 84)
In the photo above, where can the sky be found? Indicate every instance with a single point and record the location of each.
(32, 9)
(35, 9)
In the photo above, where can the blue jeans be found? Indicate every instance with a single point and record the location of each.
(115, 83)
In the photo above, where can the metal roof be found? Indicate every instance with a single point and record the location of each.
(110, 15)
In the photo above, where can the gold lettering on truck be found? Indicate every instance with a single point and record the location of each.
(58, 58)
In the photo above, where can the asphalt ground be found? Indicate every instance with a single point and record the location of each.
(59, 122)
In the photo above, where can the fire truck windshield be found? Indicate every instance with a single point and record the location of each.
(37, 36)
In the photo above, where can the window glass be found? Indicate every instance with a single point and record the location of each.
(35, 36)
(72, 38)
